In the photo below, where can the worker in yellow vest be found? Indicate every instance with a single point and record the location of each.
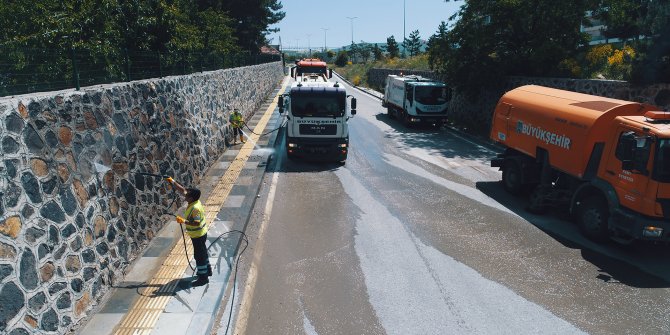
(236, 122)
(196, 228)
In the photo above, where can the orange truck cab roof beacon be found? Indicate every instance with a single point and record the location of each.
(613, 153)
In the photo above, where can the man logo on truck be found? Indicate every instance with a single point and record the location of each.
(548, 137)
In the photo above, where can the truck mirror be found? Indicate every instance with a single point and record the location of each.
(353, 104)
(280, 103)
(330, 73)
(293, 72)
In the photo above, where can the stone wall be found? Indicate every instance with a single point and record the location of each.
(474, 114)
(68, 226)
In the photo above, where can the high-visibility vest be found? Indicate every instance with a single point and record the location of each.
(195, 224)
(236, 120)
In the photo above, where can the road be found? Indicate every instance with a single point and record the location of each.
(414, 235)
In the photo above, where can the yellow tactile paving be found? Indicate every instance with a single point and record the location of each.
(143, 315)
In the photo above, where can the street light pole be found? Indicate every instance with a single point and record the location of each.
(309, 47)
(352, 28)
(325, 45)
(403, 21)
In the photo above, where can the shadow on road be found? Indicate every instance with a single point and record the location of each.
(617, 263)
(440, 141)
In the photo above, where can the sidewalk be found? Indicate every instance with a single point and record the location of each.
(155, 296)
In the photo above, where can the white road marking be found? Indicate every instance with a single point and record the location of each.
(416, 289)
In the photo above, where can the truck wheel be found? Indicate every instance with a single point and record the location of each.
(511, 177)
(592, 217)
(536, 203)
(389, 112)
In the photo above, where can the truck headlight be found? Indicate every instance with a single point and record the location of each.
(414, 119)
(292, 145)
(651, 231)
(342, 145)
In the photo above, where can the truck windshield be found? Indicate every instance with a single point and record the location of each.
(431, 95)
(662, 161)
(328, 105)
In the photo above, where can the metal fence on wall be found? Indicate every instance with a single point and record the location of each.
(38, 70)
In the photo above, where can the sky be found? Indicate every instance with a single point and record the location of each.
(375, 21)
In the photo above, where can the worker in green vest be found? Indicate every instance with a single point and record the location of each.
(196, 228)
(236, 122)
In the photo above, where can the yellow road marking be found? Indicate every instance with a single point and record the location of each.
(143, 315)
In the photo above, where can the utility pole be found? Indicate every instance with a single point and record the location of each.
(325, 45)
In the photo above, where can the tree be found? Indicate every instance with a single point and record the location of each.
(438, 44)
(653, 63)
(392, 47)
(622, 18)
(342, 58)
(484, 45)
(364, 51)
(377, 52)
(413, 43)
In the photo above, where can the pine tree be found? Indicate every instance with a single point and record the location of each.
(392, 47)
(413, 43)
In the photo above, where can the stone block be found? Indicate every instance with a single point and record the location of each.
(49, 321)
(47, 272)
(80, 193)
(36, 303)
(65, 135)
(14, 123)
(82, 304)
(23, 111)
(32, 140)
(9, 145)
(100, 225)
(13, 299)
(39, 167)
(31, 321)
(73, 264)
(28, 270)
(63, 172)
(11, 226)
(31, 187)
(5, 271)
(53, 212)
(7, 252)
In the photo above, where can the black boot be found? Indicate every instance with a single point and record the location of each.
(202, 280)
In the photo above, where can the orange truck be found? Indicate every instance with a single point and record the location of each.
(605, 160)
(311, 67)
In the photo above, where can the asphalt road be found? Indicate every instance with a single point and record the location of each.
(414, 235)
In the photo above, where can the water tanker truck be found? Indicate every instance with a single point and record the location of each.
(311, 67)
(415, 99)
(605, 160)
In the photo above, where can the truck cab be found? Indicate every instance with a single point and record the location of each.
(317, 115)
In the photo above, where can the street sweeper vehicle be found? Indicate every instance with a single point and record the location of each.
(415, 99)
(317, 114)
(311, 68)
(605, 160)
